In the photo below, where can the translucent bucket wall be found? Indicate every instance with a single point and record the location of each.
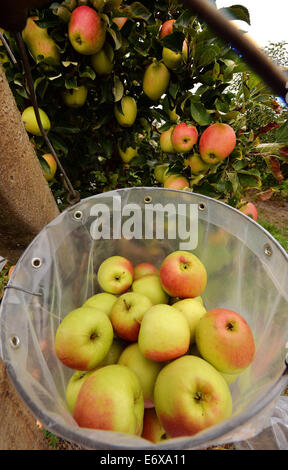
(247, 272)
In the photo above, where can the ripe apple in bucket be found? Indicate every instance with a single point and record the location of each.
(102, 301)
(83, 338)
(144, 269)
(164, 333)
(183, 275)
(115, 274)
(193, 310)
(150, 285)
(145, 369)
(111, 399)
(152, 428)
(191, 395)
(225, 340)
(127, 313)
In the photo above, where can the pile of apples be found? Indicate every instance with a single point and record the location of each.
(148, 358)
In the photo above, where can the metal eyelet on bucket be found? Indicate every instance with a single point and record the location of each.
(77, 215)
(36, 263)
(147, 199)
(14, 342)
(268, 250)
(202, 206)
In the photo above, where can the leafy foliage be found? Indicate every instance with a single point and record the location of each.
(200, 90)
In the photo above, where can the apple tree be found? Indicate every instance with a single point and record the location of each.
(108, 109)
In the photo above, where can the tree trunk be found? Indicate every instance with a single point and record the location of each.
(27, 205)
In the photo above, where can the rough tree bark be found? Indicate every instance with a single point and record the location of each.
(26, 202)
(27, 205)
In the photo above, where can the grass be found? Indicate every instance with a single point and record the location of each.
(279, 233)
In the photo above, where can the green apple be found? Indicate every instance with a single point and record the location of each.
(114, 352)
(102, 62)
(196, 164)
(126, 116)
(150, 286)
(115, 274)
(152, 428)
(127, 313)
(83, 338)
(166, 142)
(160, 171)
(111, 399)
(102, 301)
(128, 154)
(225, 339)
(76, 97)
(190, 396)
(156, 80)
(74, 385)
(193, 310)
(183, 275)
(172, 59)
(145, 370)
(30, 122)
(164, 334)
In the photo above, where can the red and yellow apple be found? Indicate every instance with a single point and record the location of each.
(86, 30)
(216, 143)
(166, 28)
(83, 338)
(144, 269)
(152, 428)
(127, 313)
(183, 275)
(164, 333)
(115, 275)
(190, 395)
(250, 209)
(50, 160)
(111, 399)
(184, 137)
(178, 182)
(225, 340)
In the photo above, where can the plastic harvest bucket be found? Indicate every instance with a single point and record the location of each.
(247, 272)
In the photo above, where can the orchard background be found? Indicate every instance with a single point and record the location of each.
(211, 84)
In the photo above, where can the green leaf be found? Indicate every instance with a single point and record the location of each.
(250, 179)
(199, 113)
(237, 12)
(116, 38)
(87, 72)
(44, 165)
(71, 83)
(139, 11)
(174, 41)
(282, 133)
(118, 90)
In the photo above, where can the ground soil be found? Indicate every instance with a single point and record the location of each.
(274, 211)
